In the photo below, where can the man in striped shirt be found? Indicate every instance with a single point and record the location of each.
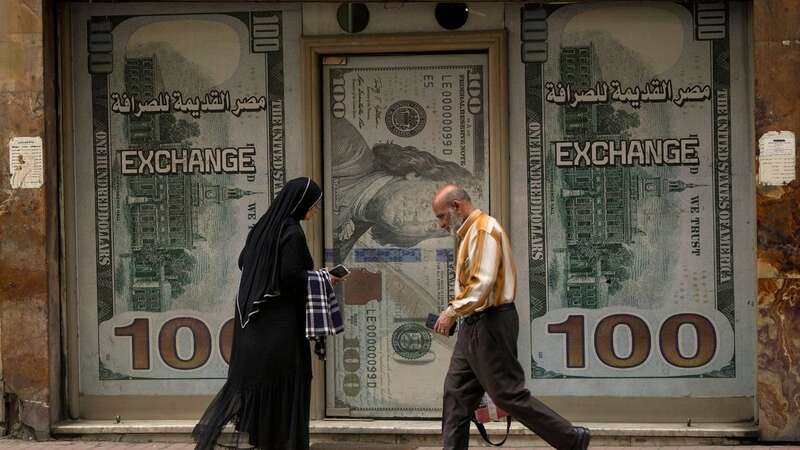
(485, 356)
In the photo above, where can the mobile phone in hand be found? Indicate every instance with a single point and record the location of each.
(431, 322)
(339, 271)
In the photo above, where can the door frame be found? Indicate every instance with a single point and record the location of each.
(315, 48)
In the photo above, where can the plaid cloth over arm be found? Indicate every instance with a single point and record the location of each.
(323, 317)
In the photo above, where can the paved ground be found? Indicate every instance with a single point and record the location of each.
(72, 445)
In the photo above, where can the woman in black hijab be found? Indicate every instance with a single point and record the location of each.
(267, 392)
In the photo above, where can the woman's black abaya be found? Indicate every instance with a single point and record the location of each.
(266, 395)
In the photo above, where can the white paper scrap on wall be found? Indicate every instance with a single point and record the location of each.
(776, 161)
(25, 162)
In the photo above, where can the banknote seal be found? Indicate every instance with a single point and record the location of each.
(411, 341)
(405, 118)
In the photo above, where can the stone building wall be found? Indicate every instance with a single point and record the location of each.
(777, 89)
(28, 231)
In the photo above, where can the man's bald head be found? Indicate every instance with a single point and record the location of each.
(451, 205)
(448, 193)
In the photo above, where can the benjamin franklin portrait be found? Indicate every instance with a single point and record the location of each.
(386, 190)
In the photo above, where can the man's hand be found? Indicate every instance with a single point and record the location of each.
(444, 323)
(346, 230)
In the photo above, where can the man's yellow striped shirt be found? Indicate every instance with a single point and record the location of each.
(485, 272)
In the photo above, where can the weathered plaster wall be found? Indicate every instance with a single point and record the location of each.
(777, 89)
(24, 219)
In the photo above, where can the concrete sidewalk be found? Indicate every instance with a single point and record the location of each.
(80, 445)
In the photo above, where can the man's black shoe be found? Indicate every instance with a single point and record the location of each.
(582, 438)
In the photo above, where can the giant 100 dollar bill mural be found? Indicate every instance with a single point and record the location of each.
(639, 239)
(396, 128)
(183, 135)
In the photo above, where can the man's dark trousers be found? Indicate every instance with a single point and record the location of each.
(485, 357)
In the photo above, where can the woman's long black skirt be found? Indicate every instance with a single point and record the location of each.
(267, 392)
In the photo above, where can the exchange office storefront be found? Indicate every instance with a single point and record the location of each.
(611, 138)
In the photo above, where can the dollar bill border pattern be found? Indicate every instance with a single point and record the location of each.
(100, 66)
(480, 163)
(536, 170)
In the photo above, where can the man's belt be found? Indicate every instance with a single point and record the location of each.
(472, 318)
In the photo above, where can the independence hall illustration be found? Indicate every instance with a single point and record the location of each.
(163, 210)
(599, 204)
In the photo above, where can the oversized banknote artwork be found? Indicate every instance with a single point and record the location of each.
(631, 144)
(396, 128)
(184, 130)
